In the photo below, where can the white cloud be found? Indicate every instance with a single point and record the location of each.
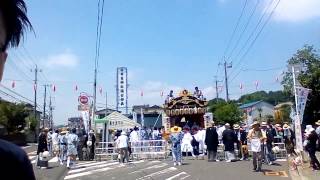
(295, 10)
(65, 59)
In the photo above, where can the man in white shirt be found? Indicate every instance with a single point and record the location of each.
(122, 144)
(55, 143)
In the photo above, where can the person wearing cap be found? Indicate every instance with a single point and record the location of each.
(72, 143)
(229, 138)
(236, 130)
(175, 139)
(212, 142)
(289, 137)
(256, 138)
(311, 146)
(123, 144)
(244, 143)
(62, 146)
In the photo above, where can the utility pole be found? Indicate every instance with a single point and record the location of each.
(217, 92)
(106, 127)
(50, 113)
(94, 100)
(226, 65)
(36, 70)
(44, 104)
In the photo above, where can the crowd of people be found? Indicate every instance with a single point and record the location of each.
(66, 145)
(262, 139)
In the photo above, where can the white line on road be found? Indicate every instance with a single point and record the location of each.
(54, 160)
(168, 170)
(185, 177)
(151, 167)
(25, 147)
(89, 164)
(32, 157)
(87, 173)
(177, 175)
(32, 153)
(92, 167)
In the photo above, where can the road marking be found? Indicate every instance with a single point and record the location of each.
(32, 157)
(32, 153)
(96, 166)
(54, 160)
(91, 167)
(89, 164)
(151, 167)
(87, 173)
(168, 170)
(25, 147)
(177, 175)
(185, 177)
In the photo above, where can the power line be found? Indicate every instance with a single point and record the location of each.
(244, 29)
(6, 88)
(255, 39)
(252, 33)
(236, 27)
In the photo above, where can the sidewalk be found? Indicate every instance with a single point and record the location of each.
(305, 172)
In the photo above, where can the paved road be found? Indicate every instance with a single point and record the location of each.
(159, 170)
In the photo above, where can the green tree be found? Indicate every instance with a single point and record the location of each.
(12, 116)
(32, 122)
(226, 113)
(272, 97)
(309, 57)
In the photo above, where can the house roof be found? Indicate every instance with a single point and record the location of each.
(243, 106)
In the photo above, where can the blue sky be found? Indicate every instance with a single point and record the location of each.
(166, 44)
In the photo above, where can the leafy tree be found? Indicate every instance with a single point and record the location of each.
(309, 57)
(226, 113)
(272, 97)
(12, 116)
(32, 122)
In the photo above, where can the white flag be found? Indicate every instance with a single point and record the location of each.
(302, 97)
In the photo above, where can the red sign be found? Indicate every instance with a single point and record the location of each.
(83, 99)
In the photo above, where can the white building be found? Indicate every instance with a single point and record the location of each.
(258, 109)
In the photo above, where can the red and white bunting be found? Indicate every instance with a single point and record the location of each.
(141, 94)
(277, 79)
(13, 84)
(100, 90)
(161, 94)
(76, 88)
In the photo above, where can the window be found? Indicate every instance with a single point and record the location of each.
(121, 74)
(122, 103)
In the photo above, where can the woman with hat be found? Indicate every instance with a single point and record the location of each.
(236, 129)
(63, 146)
(256, 138)
(72, 144)
(175, 139)
(311, 146)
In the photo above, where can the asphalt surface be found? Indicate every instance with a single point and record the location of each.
(160, 170)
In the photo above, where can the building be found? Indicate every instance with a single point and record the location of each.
(75, 122)
(257, 110)
(122, 89)
(102, 112)
(152, 115)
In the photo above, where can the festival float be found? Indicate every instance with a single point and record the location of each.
(186, 110)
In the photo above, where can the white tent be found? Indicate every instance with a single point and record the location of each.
(119, 121)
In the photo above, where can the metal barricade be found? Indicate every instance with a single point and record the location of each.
(106, 151)
(149, 149)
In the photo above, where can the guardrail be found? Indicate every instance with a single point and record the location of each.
(149, 149)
